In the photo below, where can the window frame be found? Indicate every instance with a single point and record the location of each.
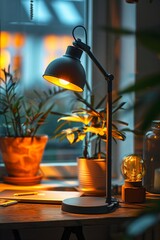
(102, 46)
(110, 51)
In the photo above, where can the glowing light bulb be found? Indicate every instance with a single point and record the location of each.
(133, 168)
(63, 82)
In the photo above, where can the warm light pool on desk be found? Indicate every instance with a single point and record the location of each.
(133, 170)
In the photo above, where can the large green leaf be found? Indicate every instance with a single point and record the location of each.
(149, 38)
(143, 84)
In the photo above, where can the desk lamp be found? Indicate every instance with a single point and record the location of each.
(68, 72)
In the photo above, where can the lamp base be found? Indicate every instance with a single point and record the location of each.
(89, 205)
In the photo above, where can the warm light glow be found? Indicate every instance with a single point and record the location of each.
(63, 83)
(4, 39)
(17, 61)
(55, 46)
(8, 43)
(65, 41)
(18, 40)
(133, 168)
(50, 42)
(54, 42)
(5, 59)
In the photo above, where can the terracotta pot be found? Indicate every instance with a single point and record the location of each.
(22, 155)
(92, 176)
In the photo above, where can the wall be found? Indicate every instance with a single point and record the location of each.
(147, 62)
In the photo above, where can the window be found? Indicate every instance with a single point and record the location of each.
(117, 55)
(33, 33)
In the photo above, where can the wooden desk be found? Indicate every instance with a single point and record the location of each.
(23, 216)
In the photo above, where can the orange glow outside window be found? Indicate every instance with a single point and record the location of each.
(55, 46)
(5, 59)
(5, 39)
(18, 40)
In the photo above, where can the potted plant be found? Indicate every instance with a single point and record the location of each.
(21, 118)
(91, 128)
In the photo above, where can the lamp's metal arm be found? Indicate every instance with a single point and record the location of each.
(78, 43)
(108, 77)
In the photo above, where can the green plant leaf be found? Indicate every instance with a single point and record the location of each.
(120, 106)
(149, 38)
(141, 224)
(143, 84)
(151, 113)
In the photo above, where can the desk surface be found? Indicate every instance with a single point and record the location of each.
(27, 215)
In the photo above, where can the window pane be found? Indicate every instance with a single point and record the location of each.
(32, 35)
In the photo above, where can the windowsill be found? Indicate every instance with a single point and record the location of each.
(57, 176)
(52, 170)
(45, 184)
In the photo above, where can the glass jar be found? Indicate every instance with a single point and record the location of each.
(151, 156)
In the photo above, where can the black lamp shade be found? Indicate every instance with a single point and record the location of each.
(67, 71)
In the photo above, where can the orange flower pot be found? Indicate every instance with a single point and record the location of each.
(22, 155)
(92, 176)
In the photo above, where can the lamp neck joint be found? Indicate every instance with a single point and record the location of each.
(78, 43)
